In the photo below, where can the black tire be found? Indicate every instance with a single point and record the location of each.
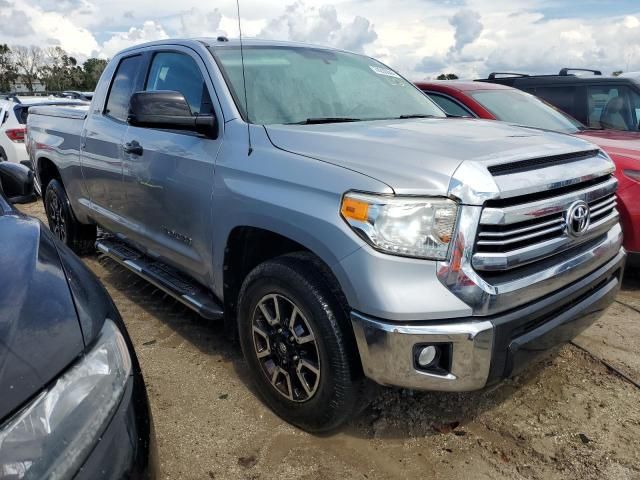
(3, 156)
(78, 237)
(341, 390)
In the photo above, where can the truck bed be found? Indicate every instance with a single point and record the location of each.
(76, 112)
(59, 127)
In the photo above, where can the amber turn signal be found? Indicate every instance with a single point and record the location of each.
(354, 209)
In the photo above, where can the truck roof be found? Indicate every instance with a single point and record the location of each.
(222, 42)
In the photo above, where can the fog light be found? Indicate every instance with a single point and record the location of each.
(427, 356)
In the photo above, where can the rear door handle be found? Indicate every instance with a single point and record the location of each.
(133, 148)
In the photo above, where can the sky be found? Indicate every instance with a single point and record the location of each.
(419, 38)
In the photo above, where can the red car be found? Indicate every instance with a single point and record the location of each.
(499, 102)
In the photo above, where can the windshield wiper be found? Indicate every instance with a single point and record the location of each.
(313, 121)
(418, 115)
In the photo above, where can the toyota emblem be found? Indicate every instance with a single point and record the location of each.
(578, 218)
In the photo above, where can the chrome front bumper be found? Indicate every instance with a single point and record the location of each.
(386, 351)
(485, 349)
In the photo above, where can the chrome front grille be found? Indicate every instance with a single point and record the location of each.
(525, 230)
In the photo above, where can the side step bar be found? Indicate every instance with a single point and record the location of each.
(163, 277)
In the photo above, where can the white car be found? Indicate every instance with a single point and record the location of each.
(14, 111)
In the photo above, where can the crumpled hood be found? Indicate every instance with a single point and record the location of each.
(39, 330)
(419, 156)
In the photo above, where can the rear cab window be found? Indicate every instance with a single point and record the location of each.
(122, 86)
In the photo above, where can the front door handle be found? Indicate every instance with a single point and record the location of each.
(133, 148)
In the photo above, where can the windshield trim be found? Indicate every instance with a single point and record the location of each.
(240, 104)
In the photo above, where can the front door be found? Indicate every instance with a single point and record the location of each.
(101, 147)
(169, 183)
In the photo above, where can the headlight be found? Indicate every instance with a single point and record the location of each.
(408, 226)
(632, 174)
(51, 437)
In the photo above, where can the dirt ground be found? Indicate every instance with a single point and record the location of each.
(568, 418)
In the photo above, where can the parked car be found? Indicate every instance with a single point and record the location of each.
(337, 220)
(14, 111)
(499, 102)
(73, 402)
(77, 95)
(595, 100)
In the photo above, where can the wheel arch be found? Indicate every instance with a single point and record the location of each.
(46, 171)
(248, 246)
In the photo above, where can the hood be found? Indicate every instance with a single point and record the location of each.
(615, 142)
(39, 330)
(419, 156)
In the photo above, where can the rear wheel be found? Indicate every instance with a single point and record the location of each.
(77, 236)
(297, 340)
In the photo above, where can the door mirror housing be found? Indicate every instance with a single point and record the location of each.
(168, 109)
(16, 183)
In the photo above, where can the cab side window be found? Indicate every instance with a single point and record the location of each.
(179, 72)
(122, 87)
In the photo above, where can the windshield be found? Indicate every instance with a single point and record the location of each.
(299, 84)
(524, 109)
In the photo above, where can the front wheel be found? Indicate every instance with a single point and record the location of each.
(79, 237)
(297, 340)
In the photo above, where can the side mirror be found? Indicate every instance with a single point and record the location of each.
(170, 110)
(16, 182)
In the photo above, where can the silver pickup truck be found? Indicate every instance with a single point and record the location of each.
(342, 226)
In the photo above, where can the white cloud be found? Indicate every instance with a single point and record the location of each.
(467, 27)
(15, 23)
(198, 23)
(149, 31)
(304, 23)
(26, 24)
(527, 41)
(421, 38)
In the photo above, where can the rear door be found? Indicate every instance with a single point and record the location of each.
(102, 140)
(169, 186)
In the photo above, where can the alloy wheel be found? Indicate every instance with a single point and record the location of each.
(286, 347)
(56, 216)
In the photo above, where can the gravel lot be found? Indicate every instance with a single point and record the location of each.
(574, 416)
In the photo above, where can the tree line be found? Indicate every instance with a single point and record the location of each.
(52, 66)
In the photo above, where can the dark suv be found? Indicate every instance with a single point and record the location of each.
(595, 100)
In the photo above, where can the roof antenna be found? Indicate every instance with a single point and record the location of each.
(244, 80)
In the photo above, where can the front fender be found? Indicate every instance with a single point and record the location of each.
(288, 194)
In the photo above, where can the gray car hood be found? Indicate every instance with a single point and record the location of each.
(419, 156)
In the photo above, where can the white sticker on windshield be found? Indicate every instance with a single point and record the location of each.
(384, 71)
